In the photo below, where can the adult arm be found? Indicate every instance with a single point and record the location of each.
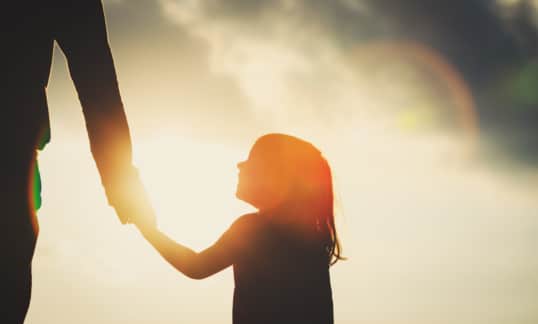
(81, 34)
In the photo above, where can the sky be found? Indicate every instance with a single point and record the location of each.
(425, 110)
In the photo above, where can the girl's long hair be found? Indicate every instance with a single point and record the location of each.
(318, 203)
(327, 217)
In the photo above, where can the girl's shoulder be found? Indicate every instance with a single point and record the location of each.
(248, 224)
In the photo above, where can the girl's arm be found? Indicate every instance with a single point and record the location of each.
(192, 264)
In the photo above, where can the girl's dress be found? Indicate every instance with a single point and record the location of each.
(279, 276)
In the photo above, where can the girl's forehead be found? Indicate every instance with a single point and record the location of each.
(268, 149)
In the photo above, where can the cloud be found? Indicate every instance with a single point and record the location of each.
(284, 60)
(456, 29)
(295, 59)
(209, 65)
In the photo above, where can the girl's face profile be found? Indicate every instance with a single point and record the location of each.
(259, 181)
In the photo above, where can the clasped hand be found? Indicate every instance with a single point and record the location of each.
(130, 201)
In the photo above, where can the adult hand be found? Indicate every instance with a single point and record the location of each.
(128, 197)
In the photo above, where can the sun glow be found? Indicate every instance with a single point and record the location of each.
(192, 186)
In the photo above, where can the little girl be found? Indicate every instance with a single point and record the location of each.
(280, 254)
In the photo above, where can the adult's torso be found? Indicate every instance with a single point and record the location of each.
(28, 29)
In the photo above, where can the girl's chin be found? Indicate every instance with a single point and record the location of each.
(240, 195)
(245, 197)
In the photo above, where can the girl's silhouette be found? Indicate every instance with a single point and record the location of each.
(282, 253)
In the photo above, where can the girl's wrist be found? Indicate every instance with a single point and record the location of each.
(147, 229)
